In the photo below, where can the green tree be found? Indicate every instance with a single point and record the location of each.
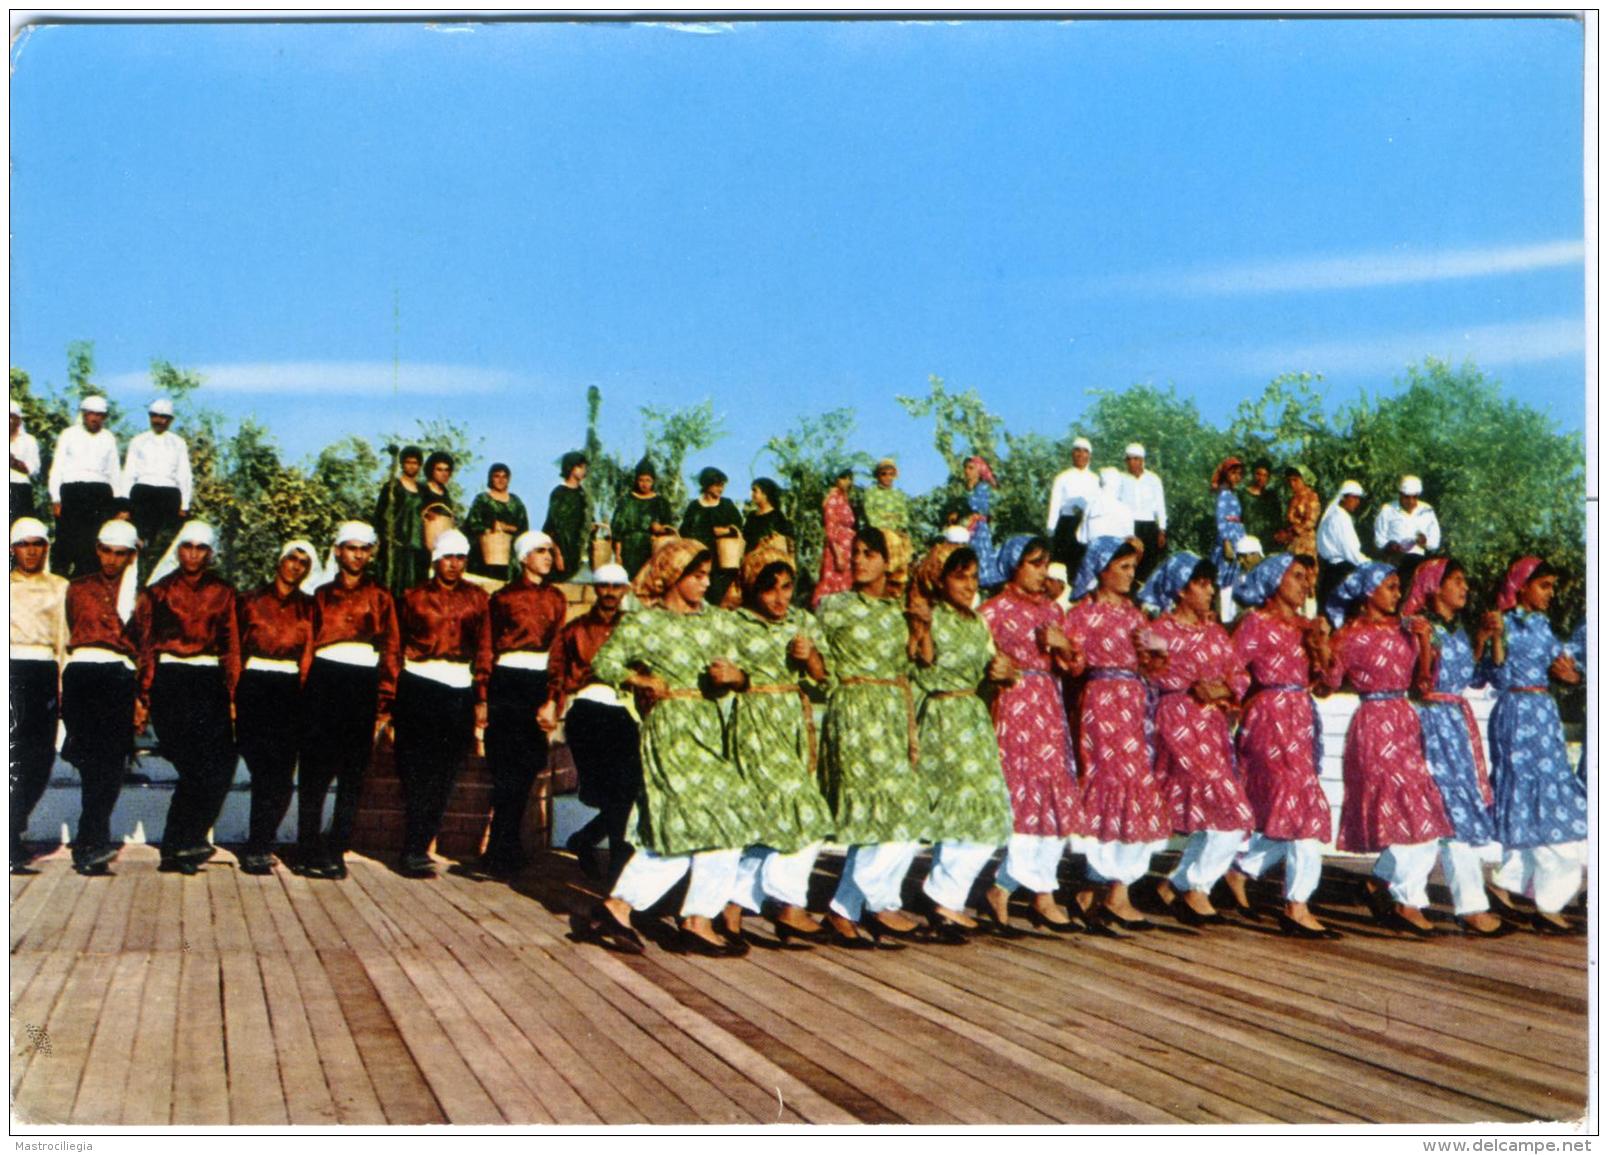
(607, 477)
(669, 435)
(807, 458)
(962, 427)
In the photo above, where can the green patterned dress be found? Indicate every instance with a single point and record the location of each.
(959, 758)
(875, 793)
(484, 514)
(770, 736)
(887, 509)
(632, 527)
(693, 797)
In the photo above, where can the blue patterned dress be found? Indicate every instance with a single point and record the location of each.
(1577, 647)
(1539, 799)
(982, 537)
(1230, 528)
(1449, 741)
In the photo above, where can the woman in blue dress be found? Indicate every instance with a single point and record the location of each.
(1230, 525)
(979, 479)
(1452, 745)
(1541, 816)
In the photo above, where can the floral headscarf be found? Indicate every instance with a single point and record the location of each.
(1011, 553)
(665, 568)
(927, 583)
(758, 559)
(1256, 587)
(1427, 580)
(1517, 575)
(1220, 474)
(1161, 591)
(1100, 552)
(1360, 583)
(983, 472)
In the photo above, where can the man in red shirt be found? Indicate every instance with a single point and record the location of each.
(351, 680)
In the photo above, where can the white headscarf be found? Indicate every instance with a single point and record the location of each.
(529, 542)
(452, 543)
(121, 534)
(190, 533)
(28, 529)
(315, 572)
(353, 532)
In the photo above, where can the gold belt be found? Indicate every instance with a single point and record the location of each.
(910, 706)
(809, 713)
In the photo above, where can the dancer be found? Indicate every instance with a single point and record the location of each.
(38, 647)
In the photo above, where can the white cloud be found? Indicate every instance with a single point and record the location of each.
(701, 28)
(1358, 270)
(331, 379)
(1513, 343)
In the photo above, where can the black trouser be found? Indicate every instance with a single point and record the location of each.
(155, 510)
(190, 713)
(21, 500)
(605, 744)
(34, 708)
(1150, 534)
(1065, 546)
(435, 728)
(1330, 575)
(516, 752)
(338, 706)
(268, 723)
(85, 507)
(97, 706)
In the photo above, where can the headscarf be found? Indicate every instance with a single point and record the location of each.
(612, 574)
(452, 543)
(957, 534)
(1099, 554)
(1256, 587)
(669, 561)
(1011, 553)
(1220, 474)
(1360, 583)
(926, 584)
(28, 529)
(757, 560)
(315, 575)
(1517, 575)
(348, 533)
(121, 534)
(1161, 592)
(1427, 580)
(529, 542)
(192, 532)
(984, 473)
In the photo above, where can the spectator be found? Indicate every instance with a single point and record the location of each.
(1264, 509)
(1070, 497)
(1300, 532)
(1409, 524)
(24, 465)
(1339, 548)
(156, 480)
(1141, 492)
(85, 479)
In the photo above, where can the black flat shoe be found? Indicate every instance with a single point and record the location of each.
(945, 931)
(1376, 897)
(1544, 925)
(689, 943)
(23, 868)
(1189, 916)
(99, 856)
(1502, 928)
(993, 924)
(585, 858)
(417, 866)
(196, 854)
(1294, 929)
(1070, 926)
(256, 864)
(173, 866)
(1394, 921)
(1503, 906)
(786, 932)
(832, 936)
(879, 929)
(1136, 925)
(598, 925)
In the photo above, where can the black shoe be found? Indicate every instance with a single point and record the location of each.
(416, 866)
(1503, 927)
(196, 854)
(585, 856)
(98, 856)
(1376, 896)
(178, 866)
(598, 925)
(879, 930)
(689, 943)
(1295, 930)
(1544, 925)
(1112, 918)
(1395, 921)
(22, 867)
(989, 918)
(832, 936)
(1070, 926)
(256, 864)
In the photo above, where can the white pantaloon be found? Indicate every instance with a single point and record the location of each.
(1206, 858)
(1124, 862)
(1548, 874)
(1032, 862)
(873, 876)
(1465, 876)
(955, 866)
(765, 873)
(648, 877)
(1406, 868)
(1302, 858)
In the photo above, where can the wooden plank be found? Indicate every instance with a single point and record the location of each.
(307, 1097)
(106, 1068)
(61, 935)
(33, 902)
(50, 1085)
(144, 910)
(403, 1092)
(200, 1077)
(229, 931)
(148, 1098)
(255, 1094)
(316, 924)
(111, 921)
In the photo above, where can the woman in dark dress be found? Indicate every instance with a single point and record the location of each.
(708, 518)
(639, 517)
(567, 516)
(496, 511)
(767, 519)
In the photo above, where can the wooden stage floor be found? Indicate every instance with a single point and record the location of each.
(223, 998)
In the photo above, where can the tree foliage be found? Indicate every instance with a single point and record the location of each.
(669, 435)
(806, 459)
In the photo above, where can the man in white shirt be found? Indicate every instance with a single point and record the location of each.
(156, 477)
(1141, 492)
(1107, 515)
(1408, 525)
(24, 465)
(1339, 547)
(1070, 496)
(84, 482)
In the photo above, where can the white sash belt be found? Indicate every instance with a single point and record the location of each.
(197, 660)
(458, 675)
(597, 692)
(351, 654)
(522, 660)
(273, 665)
(95, 655)
(22, 653)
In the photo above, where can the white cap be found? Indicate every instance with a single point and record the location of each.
(161, 407)
(94, 403)
(452, 543)
(1057, 572)
(355, 532)
(1349, 488)
(1134, 450)
(16, 410)
(612, 574)
(299, 545)
(1082, 443)
(530, 541)
(119, 535)
(1411, 486)
(28, 529)
(1248, 544)
(197, 533)
(957, 534)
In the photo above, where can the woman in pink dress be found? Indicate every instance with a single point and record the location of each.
(1123, 812)
(1035, 745)
(1280, 743)
(1200, 687)
(1392, 805)
(837, 525)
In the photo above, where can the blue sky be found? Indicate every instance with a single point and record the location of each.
(345, 226)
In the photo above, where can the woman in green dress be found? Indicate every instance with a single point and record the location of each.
(639, 517)
(880, 806)
(958, 756)
(772, 740)
(403, 560)
(709, 517)
(767, 520)
(495, 511)
(568, 518)
(696, 812)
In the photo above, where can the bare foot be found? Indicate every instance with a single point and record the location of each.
(895, 920)
(732, 916)
(1235, 881)
(1298, 913)
(1050, 910)
(799, 919)
(999, 903)
(959, 917)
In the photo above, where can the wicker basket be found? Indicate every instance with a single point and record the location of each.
(437, 520)
(496, 547)
(728, 552)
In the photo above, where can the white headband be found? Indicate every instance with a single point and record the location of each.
(1411, 486)
(161, 407)
(612, 574)
(355, 533)
(529, 542)
(1134, 450)
(299, 546)
(119, 535)
(94, 403)
(28, 529)
(1083, 444)
(450, 544)
(197, 533)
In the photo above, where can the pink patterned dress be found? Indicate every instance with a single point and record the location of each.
(1122, 800)
(1194, 752)
(1391, 797)
(1280, 738)
(837, 522)
(1035, 745)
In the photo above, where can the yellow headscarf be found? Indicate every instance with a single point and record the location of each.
(771, 549)
(670, 560)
